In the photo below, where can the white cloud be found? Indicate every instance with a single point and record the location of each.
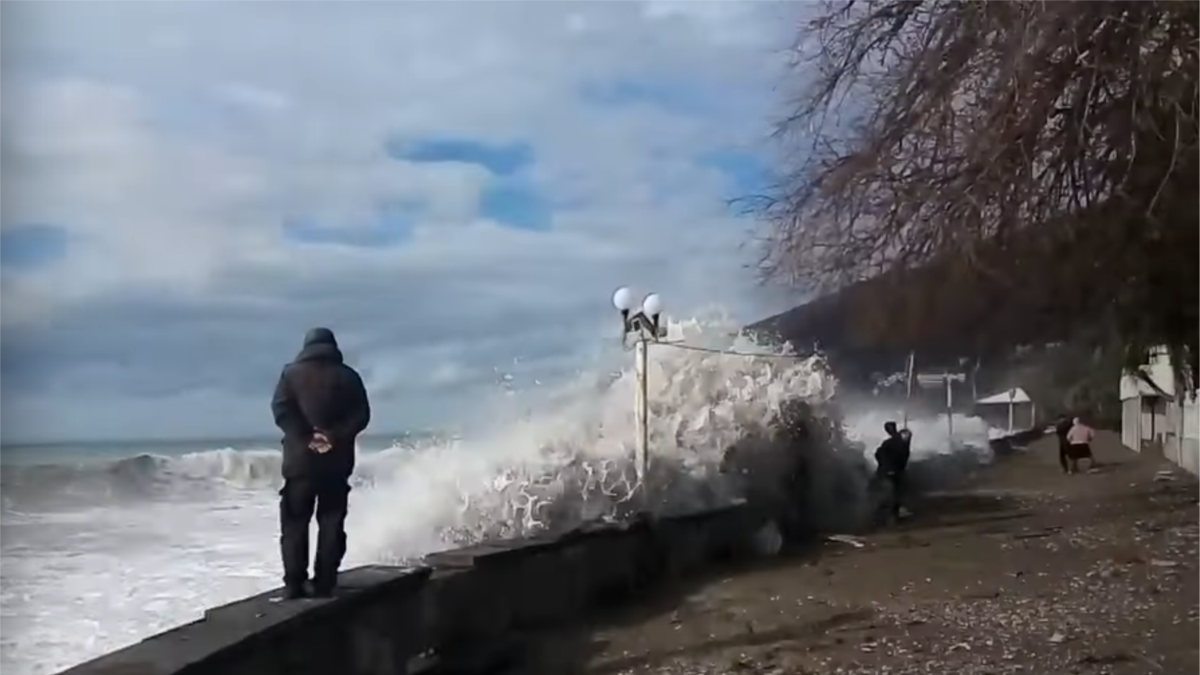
(173, 141)
(254, 98)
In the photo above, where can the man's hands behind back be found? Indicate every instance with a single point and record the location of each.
(320, 443)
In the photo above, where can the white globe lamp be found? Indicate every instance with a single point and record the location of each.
(652, 305)
(622, 299)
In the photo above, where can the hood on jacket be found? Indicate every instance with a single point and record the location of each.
(320, 345)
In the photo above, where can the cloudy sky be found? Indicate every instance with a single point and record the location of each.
(455, 188)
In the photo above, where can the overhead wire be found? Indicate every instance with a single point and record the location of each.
(729, 352)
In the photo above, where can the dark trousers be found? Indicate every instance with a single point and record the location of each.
(298, 501)
(897, 479)
(1069, 455)
(894, 482)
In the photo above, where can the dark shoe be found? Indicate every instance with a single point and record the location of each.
(294, 593)
(322, 591)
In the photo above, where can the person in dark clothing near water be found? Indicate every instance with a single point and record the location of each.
(892, 464)
(321, 406)
(1061, 428)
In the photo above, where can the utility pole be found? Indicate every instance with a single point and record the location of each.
(909, 373)
(946, 379)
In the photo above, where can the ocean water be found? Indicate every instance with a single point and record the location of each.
(105, 544)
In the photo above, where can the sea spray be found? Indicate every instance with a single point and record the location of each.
(573, 461)
(99, 554)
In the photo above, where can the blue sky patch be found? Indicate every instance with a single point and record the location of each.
(516, 205)
(27, 247)
(500, 159)
(748, 171)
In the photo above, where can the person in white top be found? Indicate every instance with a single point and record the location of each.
(1079, 444)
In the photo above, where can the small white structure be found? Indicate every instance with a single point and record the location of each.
(1143, 402)
(1155, 417)
(1021, 409)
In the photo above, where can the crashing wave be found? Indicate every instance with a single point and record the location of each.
(574, 462)
(569, 464)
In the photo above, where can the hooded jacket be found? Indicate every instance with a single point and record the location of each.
(318, 392)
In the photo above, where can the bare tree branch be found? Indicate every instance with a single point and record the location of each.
(1050, 146)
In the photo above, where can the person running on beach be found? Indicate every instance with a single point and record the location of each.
(1079, 441)
(321, 406)
(892, 461)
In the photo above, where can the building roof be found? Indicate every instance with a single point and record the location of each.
(1014, 395)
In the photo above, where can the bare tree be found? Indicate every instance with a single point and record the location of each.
(1007, 150)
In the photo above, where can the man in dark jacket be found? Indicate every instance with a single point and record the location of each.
(321, 406)
(1061, 428)
(892, 460)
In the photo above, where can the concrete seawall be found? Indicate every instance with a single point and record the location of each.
(457, 613)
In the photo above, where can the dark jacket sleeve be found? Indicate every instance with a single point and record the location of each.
(358, 409)
(288, 416)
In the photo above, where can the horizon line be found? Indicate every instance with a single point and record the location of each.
(35, 443)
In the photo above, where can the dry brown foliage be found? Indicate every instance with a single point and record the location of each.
(1032, 153)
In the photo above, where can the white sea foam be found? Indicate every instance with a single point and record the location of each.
(98, 556)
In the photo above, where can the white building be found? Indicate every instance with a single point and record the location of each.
(1155, 417)
(1012, 410)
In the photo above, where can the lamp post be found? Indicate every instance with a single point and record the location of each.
(643, 325)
